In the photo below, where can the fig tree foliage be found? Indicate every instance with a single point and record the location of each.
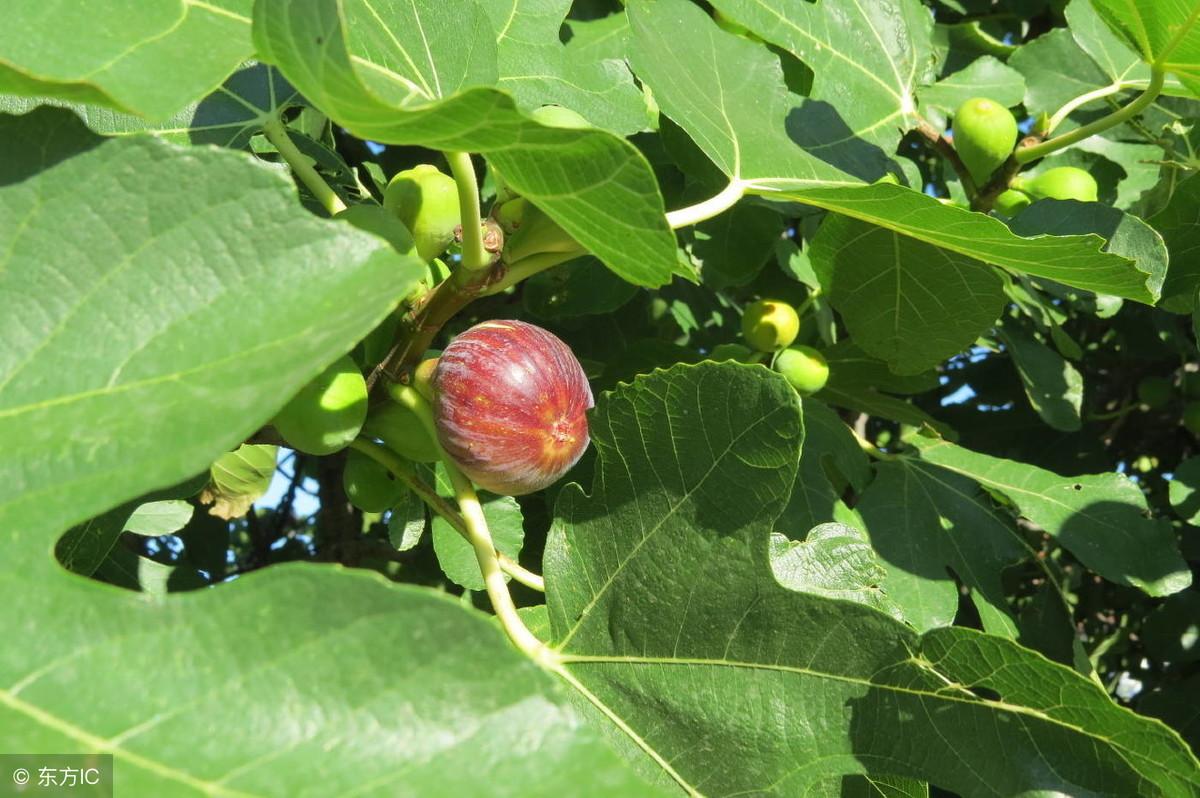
(602, 397)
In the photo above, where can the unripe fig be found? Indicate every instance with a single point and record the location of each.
(327, 413)
(1191, 417)
(536, 234)
(1011, 202)
(804, 367)
(426, 201)
(369, 486)
(510, 405)
(510, 214)
(423, 376)
(770, 324)
(1154, 392)
(558, 116)
(402, 432)
(1064, 183)
(984, 135)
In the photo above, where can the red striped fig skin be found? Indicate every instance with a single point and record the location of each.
(511, 402)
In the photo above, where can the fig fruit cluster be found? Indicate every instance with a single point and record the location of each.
(510, 403)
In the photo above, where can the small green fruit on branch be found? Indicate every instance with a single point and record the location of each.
(327, 413)
(369, 486)
(984, 135)
(804, 368)
(510, 406)
(769, 325)
(1061, 182)
(426, 201)
(1011, 202)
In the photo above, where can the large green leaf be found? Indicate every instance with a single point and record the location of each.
(538, 70)
(228, 117)
(984, 77)
(1056, 69)
(148, 57)
(354, 61)
(868, 59)
(904, 301)
(1165, 33)
(1076, 260)
(831, 460)
(728, 94)
(419, 690)
(1053, 386)
(1124, 234)
(663, 604)
(926, 525)
(1100, 518)
(1180, 229)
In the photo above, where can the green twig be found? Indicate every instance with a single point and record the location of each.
(301, 166)
(1024, 155)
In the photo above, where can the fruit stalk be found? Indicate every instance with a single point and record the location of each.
(277, 134)
(400, 469)
(943, 147)
(474, 256)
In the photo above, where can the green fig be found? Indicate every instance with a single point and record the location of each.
(327, 413)
(369, 486)
(1154, 392)
(804, 368)
(422, 379)
(426, 202)
(769, 325)
(558, 116)
(402, 432)
(984, 135)
(1011, 202)
(1063, 183)
(536, 234)
(510, 214)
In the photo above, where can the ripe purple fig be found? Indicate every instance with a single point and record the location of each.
(510, 405)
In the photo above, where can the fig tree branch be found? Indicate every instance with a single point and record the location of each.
(944, 148)
(1025, 155)
(403, 472)
(301, 166)
(474, 257)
